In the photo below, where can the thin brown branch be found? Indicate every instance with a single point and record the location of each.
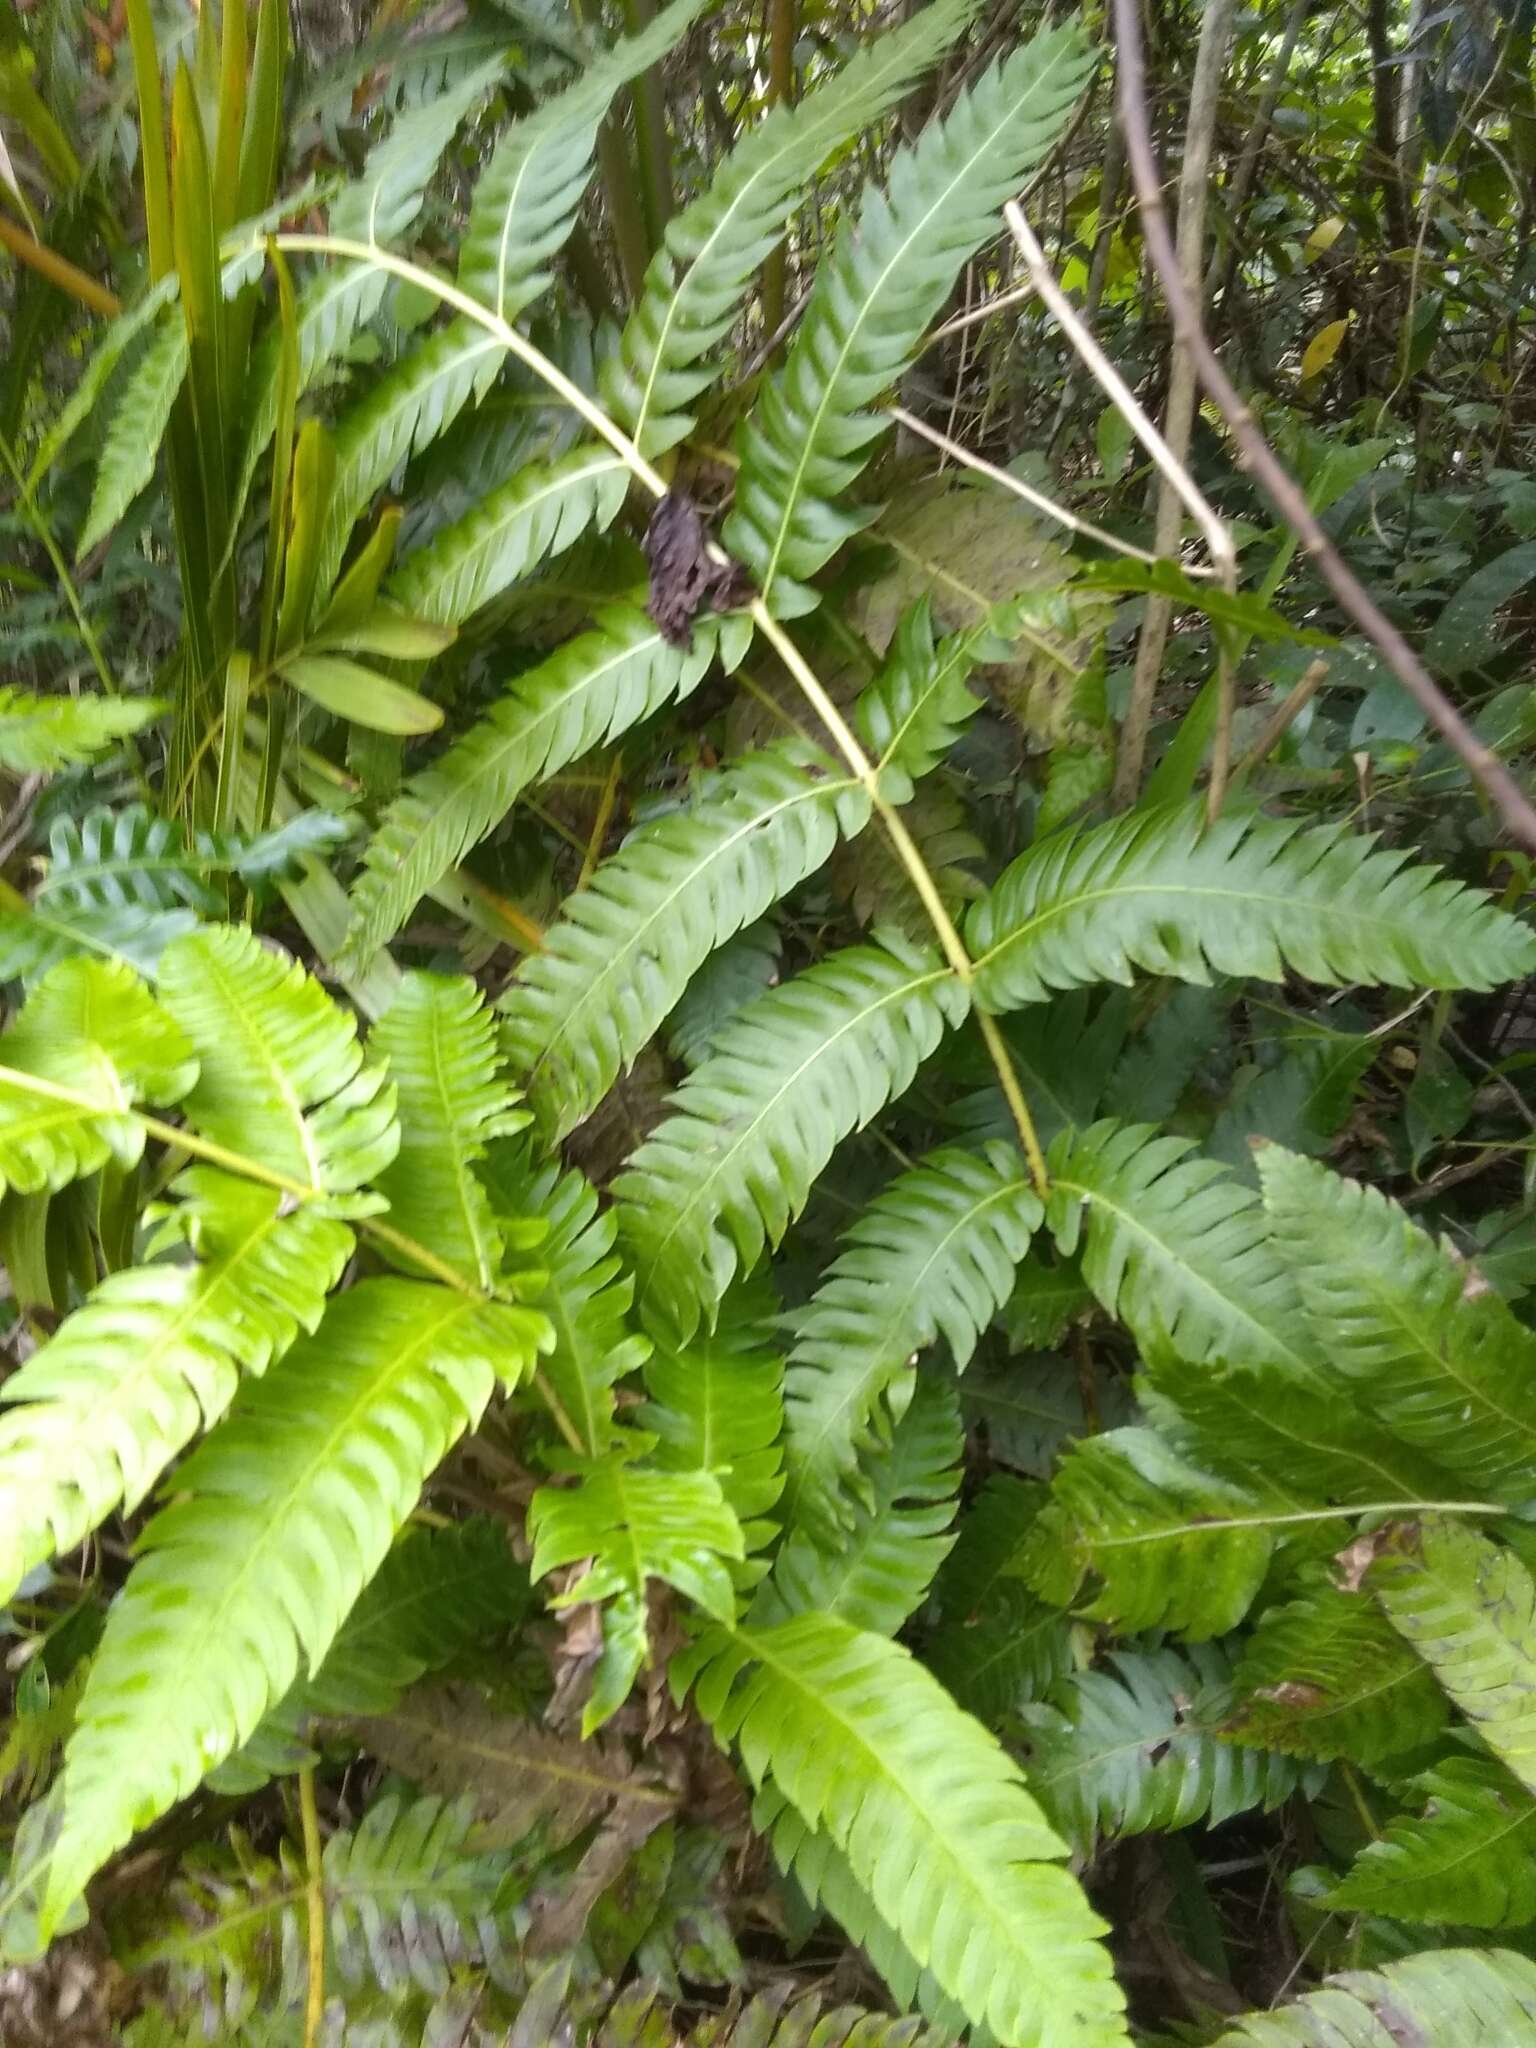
(1256, 456)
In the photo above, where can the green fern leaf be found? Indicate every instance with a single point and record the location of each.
(1440, 1360)
(41, 735)
(880, 1569)
(1172, 1546)
(91, 1030)
(1474, 1998)
(438, 1041)
(716, 244)
(718, 1406)
(1469, 1609)
(810, 434)
(283, 1517)
(1176, 1247)
(1249, 895)
(622, 953)
(586, 1294)
(155, 1354)
(1468, 1860)
(935, 1252)
(519, 1774)
(915, 710)
(439, 1595)
(540, 511)
(932, 1814)
(997, 1645)
(1135, 1748)
(526, 198)
(282, 1077)
(725, 1176)
(631, 1525)
(763, 2023)
(1325, 1676)
(591, 690)
(137, 428)
(733, 976)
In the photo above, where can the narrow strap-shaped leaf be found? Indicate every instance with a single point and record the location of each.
(95, 1416)
(282, 1078)
(810, 434)
(1441, 1361)
(1163, 891)
(935, 1253)
(933, 1816)
(723, 1177)
(321, 1459)
(590, 690)
(624, 950)
(715, 245)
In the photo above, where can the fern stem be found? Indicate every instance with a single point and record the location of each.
(314, 1900)
(1344, 1514)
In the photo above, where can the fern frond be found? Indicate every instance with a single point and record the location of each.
(518, 1774)
(935, 1252)
(540, 511)
(1134, 1748)
(586, 1294)
(41, 735)
(715, 245)
(1469, 1609)
(156, 1353)
(283, 1516)
(997, 1645)
(139, 420)
(916, 708)
(631, 1525)
(438, 1042)
(1468, 1860)
(717, 1406)
(1249, 895)
(589, 691)
(282, 1077)
(1461, 1995)
(1442, 1362)
(439, 1594)
(1324, 1676)
(725, 1176)
(1172, 1546)
(623, 951)
(89, 1028)
(810, 434)
(1176, 1247)
(526, 198)
(733, 976)
(766, 2022)
(933, 1816)
(878, 1571)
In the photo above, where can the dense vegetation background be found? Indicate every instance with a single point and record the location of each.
(766, 1164)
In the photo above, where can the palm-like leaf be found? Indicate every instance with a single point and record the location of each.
(1172, 1546)
(936, 1252)
(1135, 1747)
(281, 1077)
(728, 1172)
(1326, 1676)
(591, 690)
(714, 246)
(1176, 1247)
(284, 1516)
(810, 435)
(932, 1814)
(1248, 895)
(439, 1043)
(1469, 1609)
(1469, 1859)
(1459, 1995)
(878, 1571)
(95, 1416)
(1443, 1364)
(538, 512)
(626, 947)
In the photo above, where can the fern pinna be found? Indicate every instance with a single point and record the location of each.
(463, 1352)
